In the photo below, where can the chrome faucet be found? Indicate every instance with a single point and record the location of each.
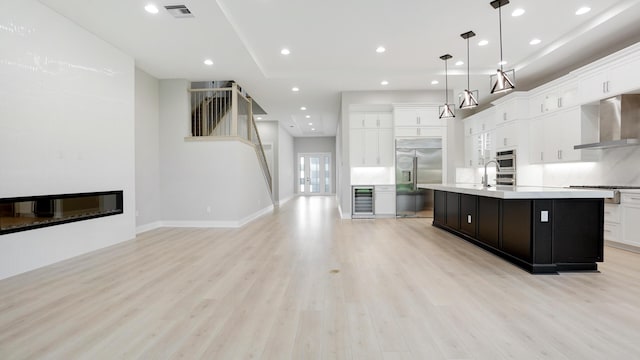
(485, 178)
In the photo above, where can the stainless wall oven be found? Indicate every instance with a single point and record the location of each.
(506, 174)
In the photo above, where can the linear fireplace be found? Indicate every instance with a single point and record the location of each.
(32, 212)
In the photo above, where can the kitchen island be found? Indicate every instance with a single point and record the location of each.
(540, 229)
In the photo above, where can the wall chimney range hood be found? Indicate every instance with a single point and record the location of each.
(619, 123)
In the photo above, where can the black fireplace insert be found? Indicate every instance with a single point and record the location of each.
(32, 212)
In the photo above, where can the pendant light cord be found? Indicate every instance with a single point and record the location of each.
(446, 84)
(500, 22)
(468, 74)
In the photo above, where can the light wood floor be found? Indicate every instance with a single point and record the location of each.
(303, 284)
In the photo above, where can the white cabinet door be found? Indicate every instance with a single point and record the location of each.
(507, 136)
(567, 133)
(418, 116)
(386, 147)
(385, 201)
(631, 223)
(623, 76)
(357, 147)
(385, 120)
(593, 86)
(537, 141)
(357, 120)
(371, 155)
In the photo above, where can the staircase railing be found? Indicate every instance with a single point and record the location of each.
(227, 111)
(262, 158)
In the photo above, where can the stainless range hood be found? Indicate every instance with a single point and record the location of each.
(619, 123)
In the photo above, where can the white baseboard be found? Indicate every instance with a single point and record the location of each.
(148, 227)
(622, 246)
(285, 200)
(217, 224)
(257, 214)
(342, 215)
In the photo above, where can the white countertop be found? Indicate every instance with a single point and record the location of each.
(520, 192)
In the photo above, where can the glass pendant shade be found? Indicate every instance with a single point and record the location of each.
(468, 98)
(446, 110)
(503, 80)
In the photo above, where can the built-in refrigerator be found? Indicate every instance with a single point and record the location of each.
(418, 161)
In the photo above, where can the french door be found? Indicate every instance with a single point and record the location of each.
(314, 174)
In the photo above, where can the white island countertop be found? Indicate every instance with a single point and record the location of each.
(520, 192)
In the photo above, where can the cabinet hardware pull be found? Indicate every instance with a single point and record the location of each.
(541, 156)
(559, 154)
(505, 141)
(604, 84)
(541, 107)
(559, 102)
(635, 198)
(418, 131)
(605, 230)
(504, 116)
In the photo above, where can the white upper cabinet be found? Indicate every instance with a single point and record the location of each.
(616, 74)
(371, 139)
(371, 120)
(553, 136)
(557, 95)
(417, 116)
(514, 106)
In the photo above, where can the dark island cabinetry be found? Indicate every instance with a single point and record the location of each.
(539, 235)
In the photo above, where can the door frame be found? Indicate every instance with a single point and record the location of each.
(322, 156)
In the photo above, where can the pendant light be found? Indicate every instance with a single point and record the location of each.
(446, 111)
(469, 97)
(503, 80)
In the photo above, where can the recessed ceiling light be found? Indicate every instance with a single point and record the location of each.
(503, 62)
(583, 10)
(285, 51)
(459, 63)
(295, 89)
(517, 12)
(310, 123)
(384, 82)
(151, 9)
(208, 62)
(435, 82)
(313, 129)
(308, 116)
(483, 42)
(535, 42)
(259, 118)
(380, 49)
(303, 108)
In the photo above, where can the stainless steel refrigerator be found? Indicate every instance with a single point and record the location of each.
(418, 161)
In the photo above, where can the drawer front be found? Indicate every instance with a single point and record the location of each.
(612, 232)
(380, 188)
(612, 213)
(630, 199)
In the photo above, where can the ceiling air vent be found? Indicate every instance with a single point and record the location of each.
(179, 11)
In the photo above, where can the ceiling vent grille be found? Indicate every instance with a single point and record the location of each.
(179, 11)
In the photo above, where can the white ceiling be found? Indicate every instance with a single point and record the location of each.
(333, 44)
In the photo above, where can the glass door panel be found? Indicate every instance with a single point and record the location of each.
(314, 174)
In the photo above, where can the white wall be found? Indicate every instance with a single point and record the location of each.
(147, 142)
(455, 138)
(66, 126)
(204, 182)
(324, 144)
(285, 166)
(617, 166)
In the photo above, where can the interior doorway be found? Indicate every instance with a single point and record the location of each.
(314, 174)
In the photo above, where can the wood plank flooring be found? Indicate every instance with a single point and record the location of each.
(304, 284)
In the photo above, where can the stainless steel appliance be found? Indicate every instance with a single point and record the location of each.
(619, 122)
(506, 172)
(362, 202)
(418, 161)
(616, 191)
